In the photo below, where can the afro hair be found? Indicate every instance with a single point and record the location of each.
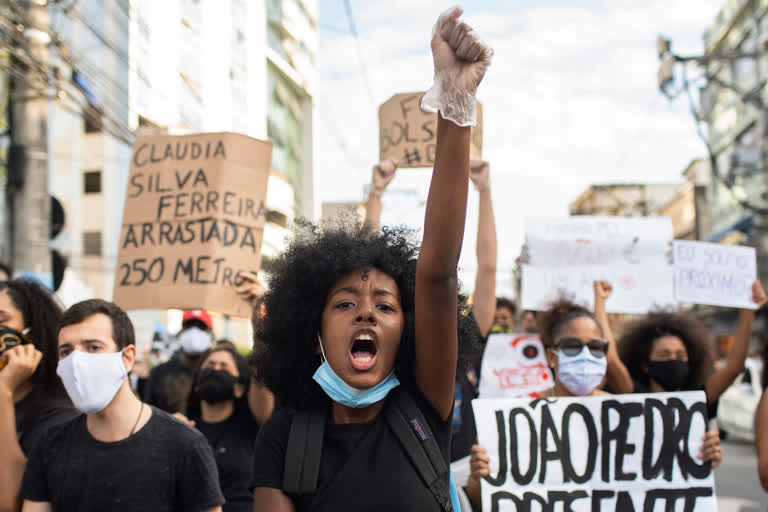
(285, 337)
(636, 344)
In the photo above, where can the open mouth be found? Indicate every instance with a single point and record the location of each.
(363, 351)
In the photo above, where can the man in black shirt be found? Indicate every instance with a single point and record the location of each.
(120, 454)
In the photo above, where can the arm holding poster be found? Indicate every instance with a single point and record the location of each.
(719, 381)
(617, 374)
(383, 173)
(761, 440)
(251, 290)
(484, 296)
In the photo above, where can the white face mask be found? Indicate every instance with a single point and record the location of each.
(92, 380)
(581, 373)
(195, 341)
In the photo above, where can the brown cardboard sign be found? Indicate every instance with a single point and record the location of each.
(194, 218)
(409, 134)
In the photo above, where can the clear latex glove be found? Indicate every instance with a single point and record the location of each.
(460, 59)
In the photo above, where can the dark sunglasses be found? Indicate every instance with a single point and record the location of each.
(573, 346)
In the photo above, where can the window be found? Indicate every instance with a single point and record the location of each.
(92, 243)
(92, 182)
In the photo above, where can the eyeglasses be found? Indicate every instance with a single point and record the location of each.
(573, 346)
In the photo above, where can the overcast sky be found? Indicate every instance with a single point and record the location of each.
(569, 100)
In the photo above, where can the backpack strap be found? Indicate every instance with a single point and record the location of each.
(302, 455)
(408, 423)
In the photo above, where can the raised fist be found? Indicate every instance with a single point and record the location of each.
(479, 173)
(460, 60)
(457, 51)
(603, 290)
(383, 173)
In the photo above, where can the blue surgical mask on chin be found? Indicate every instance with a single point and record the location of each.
(341, 392)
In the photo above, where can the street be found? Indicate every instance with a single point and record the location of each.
(738, 487)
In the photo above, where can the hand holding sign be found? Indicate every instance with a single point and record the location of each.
(758, 294)
(383, 173)
(479, 173)
(461, 60)
(251, 290)
(711, 450)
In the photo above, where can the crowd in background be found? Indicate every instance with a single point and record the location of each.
(358, 329)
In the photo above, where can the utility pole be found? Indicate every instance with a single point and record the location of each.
(31, 202)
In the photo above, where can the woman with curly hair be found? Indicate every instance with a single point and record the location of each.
(32, 397)
(356, 324)
(666, 351)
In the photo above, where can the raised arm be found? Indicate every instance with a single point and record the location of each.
(617, 374)
(761, 440)
(484, 296)
(382, 177)
(720, 380)
(460, 62)
(261, 402)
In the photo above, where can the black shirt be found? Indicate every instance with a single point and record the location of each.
(39, 411)
(363, 465)
(232, 442)
(463, 429)
(641, 387)
(169, 385)
(165, 466)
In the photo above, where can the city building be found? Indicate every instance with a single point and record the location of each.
(623, 200)
(732, 105)
(125, 68)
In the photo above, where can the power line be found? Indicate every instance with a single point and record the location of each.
(363, 70)
(712, 157)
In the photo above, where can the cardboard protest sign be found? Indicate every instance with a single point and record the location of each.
(624, 452)
(409, 134)
(636, 290)
(194, 219)
(715, 274)
(514, 365)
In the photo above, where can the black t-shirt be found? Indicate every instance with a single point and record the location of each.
(39, 411)
(463, 428)
(169, 385)
(363, 465)
(165, 466)
(232, 442)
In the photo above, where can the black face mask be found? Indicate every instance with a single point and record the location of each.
(670, 374)
(216, 385)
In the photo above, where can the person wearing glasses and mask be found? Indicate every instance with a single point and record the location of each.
(579, 351)
(119, 454)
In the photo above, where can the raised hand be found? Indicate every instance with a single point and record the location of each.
(460, 59)
(603, 290)
(479, 173)
(383, 173)
(20, 363)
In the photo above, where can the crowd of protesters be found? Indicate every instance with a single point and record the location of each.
(361, 338)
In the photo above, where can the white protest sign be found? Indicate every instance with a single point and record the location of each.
(514, 365)
(580, 227)
(559, 253)
(624, 452)
(715, 274)
(636, 289)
